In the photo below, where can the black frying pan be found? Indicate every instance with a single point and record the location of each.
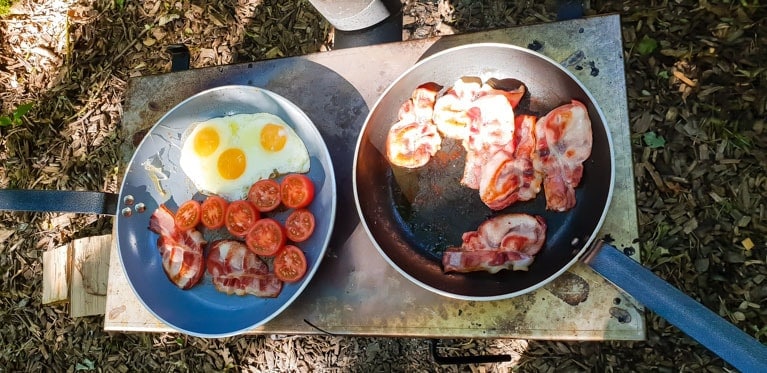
(413, 215)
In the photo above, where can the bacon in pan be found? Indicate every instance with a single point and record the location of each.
(510, 174)
(508, 241)
(563, 142)
(414, 139)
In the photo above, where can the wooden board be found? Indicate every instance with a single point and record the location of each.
(56, 265)
(78, 273)
(90, 273)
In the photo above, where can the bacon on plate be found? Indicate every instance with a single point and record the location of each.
(508, 241)
(236, 270)
(181, 250)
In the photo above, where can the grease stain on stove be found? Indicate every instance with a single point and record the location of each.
(620, 314)
(574, 58)
(535, 45)
(629, 250)
(594, 69)
(138, 136)
(577, 60)
(570, 288)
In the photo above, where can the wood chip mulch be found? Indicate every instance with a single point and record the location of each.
(697, 98)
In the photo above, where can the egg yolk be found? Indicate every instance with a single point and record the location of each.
(231, 163)
(206, 141)
(273, 137)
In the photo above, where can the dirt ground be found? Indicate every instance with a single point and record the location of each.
(696, 94)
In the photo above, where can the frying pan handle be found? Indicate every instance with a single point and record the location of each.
(58, 201)
(709, 329)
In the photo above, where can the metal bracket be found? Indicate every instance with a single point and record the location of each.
(179, 55)
(465, 359)
(569, 9)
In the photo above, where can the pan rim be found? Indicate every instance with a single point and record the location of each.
(591, 238)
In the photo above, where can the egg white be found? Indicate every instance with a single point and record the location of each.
(241, 131)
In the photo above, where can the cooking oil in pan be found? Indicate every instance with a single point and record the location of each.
(433, 205)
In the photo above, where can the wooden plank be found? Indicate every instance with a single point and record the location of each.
(90, 273)
(56, 267)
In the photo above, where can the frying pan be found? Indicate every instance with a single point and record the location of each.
(201, 310)
(412, 215)
(154, 177)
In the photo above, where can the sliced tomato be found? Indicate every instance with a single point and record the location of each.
(265, 194)
(188, 215)
(266, 237)
(299, 225)
(240, 217)
(296, 191)
(213, 210)
(290, 264)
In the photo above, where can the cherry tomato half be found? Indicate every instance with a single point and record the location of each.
(213, 210)
(297, 191)
(290, 264)
(265, 195)
(299, 225)
(240, 217)
(188, 215)
(266, 237)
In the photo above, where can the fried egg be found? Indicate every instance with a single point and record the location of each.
(226, 155)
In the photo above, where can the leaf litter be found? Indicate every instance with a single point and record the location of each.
(695, 79)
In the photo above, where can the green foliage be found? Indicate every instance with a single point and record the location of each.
(5, 7)
(647, 45)
(14, 118)
(86, 365)
(653, 140)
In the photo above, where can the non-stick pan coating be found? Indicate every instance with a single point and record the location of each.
(412, 215)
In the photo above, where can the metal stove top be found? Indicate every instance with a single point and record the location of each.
(355, 292)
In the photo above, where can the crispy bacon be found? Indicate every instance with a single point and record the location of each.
(514, 96)
(510, 174)
(414, 139)
(450, 109)
(182, 251)
(236, 270)
(491, 129)
(507, 241)
(563, 143)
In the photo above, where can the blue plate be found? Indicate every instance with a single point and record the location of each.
(154, 177)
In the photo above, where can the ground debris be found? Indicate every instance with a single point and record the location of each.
(700, 196)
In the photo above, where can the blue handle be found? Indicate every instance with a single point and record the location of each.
(58, 201)
(709, 329)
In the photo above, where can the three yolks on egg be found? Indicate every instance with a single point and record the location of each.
(225, 155)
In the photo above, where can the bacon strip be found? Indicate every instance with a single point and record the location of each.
(236, 270)
(182, 251)
(564, 142)
(414, 139)
(507, 241)
(510, 174)
(450, 109)
(491, 129)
